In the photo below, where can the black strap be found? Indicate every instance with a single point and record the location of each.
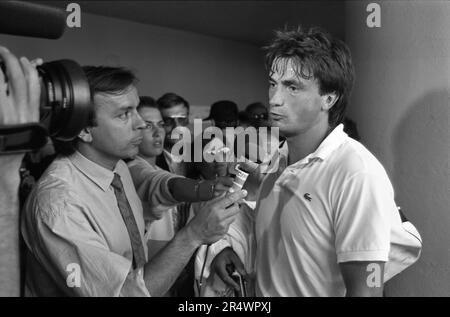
(22, 138)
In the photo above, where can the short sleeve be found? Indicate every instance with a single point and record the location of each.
(362, 218)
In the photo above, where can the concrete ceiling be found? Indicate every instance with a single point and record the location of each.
(251, 22)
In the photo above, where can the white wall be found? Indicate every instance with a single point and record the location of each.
(202, 69)
(401, 105)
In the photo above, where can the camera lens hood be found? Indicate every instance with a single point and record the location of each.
(65, 99)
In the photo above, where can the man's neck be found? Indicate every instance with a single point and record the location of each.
(303, 144)
(97, 157)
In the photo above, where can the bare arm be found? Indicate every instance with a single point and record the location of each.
(165, 267)
(190, 190)
(209, 225)
(160, 188)
(363, 279)
(19, 103)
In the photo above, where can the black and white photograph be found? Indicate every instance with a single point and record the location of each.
(225, 153)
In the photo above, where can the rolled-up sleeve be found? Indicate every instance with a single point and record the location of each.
(152, 186)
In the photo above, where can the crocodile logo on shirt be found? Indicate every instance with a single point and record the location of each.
(307, 196)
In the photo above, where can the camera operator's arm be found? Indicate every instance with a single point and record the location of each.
(19, 103)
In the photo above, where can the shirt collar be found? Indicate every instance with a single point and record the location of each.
(330, 143)
(95, 172)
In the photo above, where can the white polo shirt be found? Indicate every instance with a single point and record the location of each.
(333, 206)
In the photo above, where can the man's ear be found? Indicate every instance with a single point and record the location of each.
(329, 100)
(85, 135)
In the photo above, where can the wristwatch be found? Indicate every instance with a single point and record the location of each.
(22, 138)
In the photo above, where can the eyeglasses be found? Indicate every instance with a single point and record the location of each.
(174, 121)
(261, 116)
(153, 126)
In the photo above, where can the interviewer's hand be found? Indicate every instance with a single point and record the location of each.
(212, 221)
(222, 185)
(19, 90)
(254, 179)
(246, 165)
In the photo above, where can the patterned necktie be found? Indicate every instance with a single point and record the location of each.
(130, 223)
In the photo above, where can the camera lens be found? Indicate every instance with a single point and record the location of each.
(65, 99)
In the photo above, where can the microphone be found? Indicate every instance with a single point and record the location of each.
(31, 19)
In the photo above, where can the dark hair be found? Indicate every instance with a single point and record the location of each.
(169, 100)
(318, 55)
(243, 117)
(351, 129)
(147, 102)
(254, 106)
(102, 80)
(224, 113)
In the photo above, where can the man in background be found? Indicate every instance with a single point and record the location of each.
(223, 114)
(257, 114)
(175, 112)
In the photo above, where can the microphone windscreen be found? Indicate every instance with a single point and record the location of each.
(31, 19)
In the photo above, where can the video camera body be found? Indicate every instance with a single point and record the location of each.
(65, 94)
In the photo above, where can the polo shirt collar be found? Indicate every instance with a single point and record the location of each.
(328, 145)
(95, 172)
(331, 143)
